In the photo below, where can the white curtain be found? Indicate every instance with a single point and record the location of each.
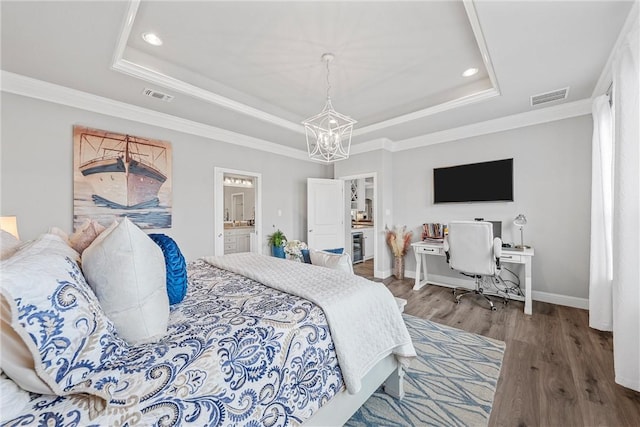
(626, 214)
(600, 271)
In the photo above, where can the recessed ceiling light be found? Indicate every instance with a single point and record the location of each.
(470, 72)
(152, 39)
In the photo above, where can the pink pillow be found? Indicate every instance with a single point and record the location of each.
(85, 234)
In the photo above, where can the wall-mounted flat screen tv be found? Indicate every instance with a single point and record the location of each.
(474, 182)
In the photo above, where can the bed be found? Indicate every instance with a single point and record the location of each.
(236, 353)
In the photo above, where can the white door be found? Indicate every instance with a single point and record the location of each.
(325, 213)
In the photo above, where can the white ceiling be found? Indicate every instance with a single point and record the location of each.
(254, 67)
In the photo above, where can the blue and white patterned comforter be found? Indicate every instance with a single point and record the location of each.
(237, 353)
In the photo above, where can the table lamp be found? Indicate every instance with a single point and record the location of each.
(521, 221)
(10, 225)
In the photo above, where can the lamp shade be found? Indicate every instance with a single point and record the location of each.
(10, 225)
(520, 220)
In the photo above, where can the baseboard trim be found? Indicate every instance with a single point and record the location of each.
(382, 274)
(558, 299)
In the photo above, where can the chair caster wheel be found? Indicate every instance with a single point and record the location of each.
(493, 308)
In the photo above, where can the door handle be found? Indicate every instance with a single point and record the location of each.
(310, 231)
(220, 235)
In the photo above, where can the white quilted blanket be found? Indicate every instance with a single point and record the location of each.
(364, 319)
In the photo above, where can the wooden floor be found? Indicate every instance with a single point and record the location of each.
(556, 370)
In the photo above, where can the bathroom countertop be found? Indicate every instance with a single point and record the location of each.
(238, 227)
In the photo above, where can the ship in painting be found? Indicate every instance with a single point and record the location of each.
(122, 169)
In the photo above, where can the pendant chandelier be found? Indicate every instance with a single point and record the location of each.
(328, 133)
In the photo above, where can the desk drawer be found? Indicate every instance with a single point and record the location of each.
(430, 250)
(511, 258)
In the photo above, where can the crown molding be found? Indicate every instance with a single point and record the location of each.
(515, 121)
(470, 8)
(38, 89)
(136, 70)
(449, 105)
(606, 76)
(373, 145)
(130, 68)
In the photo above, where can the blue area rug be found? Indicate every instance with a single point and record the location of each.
(451, 383)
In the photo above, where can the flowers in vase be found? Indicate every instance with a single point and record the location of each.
(293, 249)
(399, 240)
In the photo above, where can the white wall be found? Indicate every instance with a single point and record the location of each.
(37, 181)
(552, 185)
(551, 165)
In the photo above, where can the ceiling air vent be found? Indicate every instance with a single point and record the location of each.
(158, 95)
(554, 95)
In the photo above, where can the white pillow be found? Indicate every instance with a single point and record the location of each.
(9, 244)
(126, 270)
(330, 260)
(60, 233)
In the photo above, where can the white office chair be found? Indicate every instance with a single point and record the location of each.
(471, 249)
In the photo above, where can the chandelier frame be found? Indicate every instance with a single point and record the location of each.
(328, 133)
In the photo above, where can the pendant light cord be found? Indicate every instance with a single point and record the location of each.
(328, 82)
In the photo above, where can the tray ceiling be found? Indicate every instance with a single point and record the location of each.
(254, 67)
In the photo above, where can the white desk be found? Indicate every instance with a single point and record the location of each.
(509, 256)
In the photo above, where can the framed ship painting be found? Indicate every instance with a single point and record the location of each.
(117, 175)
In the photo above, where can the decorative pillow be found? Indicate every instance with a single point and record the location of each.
(9, 244)
(307, 259)
(331, 260)
(57, 316)
(60, 233)
(85, 234)
(175, 266)
(305, 256)
(126, 270)
(334, 251)
(16, 358)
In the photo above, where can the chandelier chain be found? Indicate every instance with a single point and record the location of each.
(328, 82)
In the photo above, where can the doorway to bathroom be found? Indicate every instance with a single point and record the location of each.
(237, 211)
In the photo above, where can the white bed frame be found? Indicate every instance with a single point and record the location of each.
(343, 405)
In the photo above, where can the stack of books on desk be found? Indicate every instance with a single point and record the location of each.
(433, 232)
(432, 240)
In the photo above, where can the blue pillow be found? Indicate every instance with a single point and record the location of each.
(175, 265)
(338, 251)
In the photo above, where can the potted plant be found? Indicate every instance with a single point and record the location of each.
(399, 240)
(277, 240)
